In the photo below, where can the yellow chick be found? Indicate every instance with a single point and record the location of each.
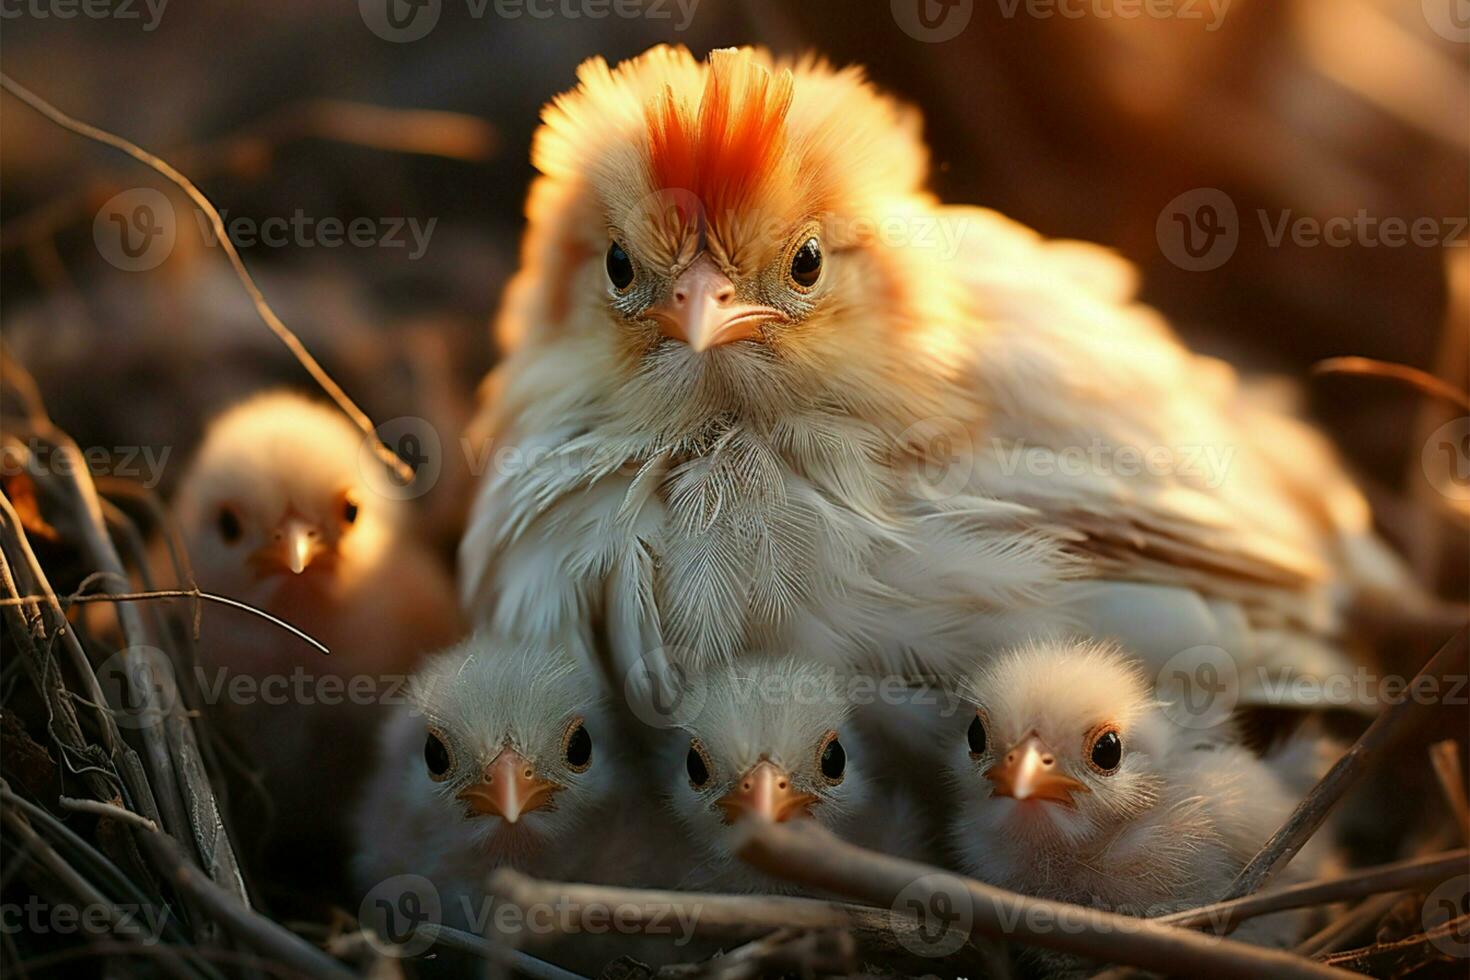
(1073, 783)
(275, 512)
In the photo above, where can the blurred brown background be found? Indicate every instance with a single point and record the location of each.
(1069, 115)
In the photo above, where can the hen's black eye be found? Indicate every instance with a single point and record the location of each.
(1107, 751)
(229, 524)
(832, 759)
(619, 267)
(578, 747)
(976, 736)
(697, 765)
(806, 264)
(437, 757)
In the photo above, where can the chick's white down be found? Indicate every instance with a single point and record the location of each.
(1159, 821)
(875, 466)
(275, 512)
(479, 701)
(774, 738)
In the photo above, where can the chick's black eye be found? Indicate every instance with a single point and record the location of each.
(619, 267)
(578, 749)
(1107, 751)
(437, 757)
(698, 768)
(833, 760)
(806, 263)
(349, 509)
(228, 523)
(976, 737)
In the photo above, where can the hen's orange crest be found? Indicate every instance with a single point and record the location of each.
(726, 148)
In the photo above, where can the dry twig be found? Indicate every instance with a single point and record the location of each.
(217, 224)
(816, 859)
(1387, 728)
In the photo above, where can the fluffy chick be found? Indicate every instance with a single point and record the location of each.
(774, 739)
(762, 391)
(1072, 783)
(275, 512)
(505, 756)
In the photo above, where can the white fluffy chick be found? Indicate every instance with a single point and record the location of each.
(506, 756)
(275, 512)
(1073, 784)
(773, 738)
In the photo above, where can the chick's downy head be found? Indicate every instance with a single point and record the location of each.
(719, 236)
(772, 740)
(518, 745)
(275, 499)
(1066, 743)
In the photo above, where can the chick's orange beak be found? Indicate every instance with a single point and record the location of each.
(765, 791)
(700, 309)
(294, 546)
(1029, 772)
(509, 788)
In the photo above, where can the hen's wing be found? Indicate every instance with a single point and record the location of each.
(1209, 516)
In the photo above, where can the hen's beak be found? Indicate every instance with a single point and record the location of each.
(700, 309)
(509, 788)
(766, 791)
(295, 545)
(1029, 772)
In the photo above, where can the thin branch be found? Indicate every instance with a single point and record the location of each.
(1309, 815)
(522, 963)
(1397, 876)
(293, 344)
(84, 891)
(248, 926)
(813, 857)
(169, 594)
(880, 933)
(427, 132)
(1399, 958)
(109, 810)
(1422, 380)
(1445, 758)
(1344, 927)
